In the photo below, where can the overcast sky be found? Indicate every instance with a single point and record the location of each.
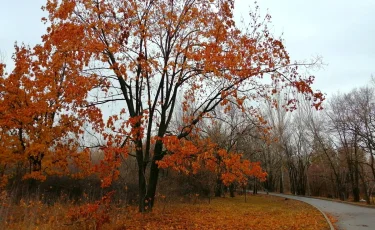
(341, 31)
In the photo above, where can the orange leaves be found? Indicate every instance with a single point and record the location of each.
(182, 147)
(2, 68)
(41, 98)
(99, 212)
(318, 99)
(259, 212)
(65, 9)
(136, 127)
(302, 87)
(191, 156)
(62, 35)
(238, 170)
(184, 152)
(108, 167)
(35, 175)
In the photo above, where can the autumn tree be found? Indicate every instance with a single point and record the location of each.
(231, 131)
(39, 119)
(145, 54)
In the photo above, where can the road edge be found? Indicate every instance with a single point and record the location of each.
(325, 216)
(338, 201)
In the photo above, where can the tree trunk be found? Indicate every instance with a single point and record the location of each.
(154, 176)
(142, 188)
(365, 188)
(292, 178)
(302, 178)
(269, 183)
(341, 191)
(255, 190)
(281, 182)
(141, 176)
(356, 194)
(244, 190)
(356, 173)
(141, 181)
(218, 187)
(231, 190)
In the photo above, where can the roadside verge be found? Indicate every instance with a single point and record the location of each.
(291, 197)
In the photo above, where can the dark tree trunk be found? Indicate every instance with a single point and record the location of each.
(341, 191)
(365, 189)
(218, 187)
(36, 162)
(356, 197)
(154, 175)
(356, 173)
(281, 182)
(141, 181)
(231, 190)
(142, 189)
(302, 178)
(269, 183)
(255, 190)
(292, 178)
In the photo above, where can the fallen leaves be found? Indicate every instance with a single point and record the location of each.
(259, 212)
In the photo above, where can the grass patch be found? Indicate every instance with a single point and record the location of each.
(259, 212)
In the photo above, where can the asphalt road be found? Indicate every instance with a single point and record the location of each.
(350, 217)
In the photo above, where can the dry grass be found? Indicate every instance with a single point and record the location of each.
(259, 212)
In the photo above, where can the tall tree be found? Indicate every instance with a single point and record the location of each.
(40, 120)
(146, 53)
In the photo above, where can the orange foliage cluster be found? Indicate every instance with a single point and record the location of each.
(40, 104)
(189, 156)
(98, 213)
(107, 169)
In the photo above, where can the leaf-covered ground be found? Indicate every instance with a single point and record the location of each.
(259, 212)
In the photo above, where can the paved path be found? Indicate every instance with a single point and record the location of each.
(350, 217)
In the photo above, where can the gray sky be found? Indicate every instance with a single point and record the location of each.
(341, 31)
